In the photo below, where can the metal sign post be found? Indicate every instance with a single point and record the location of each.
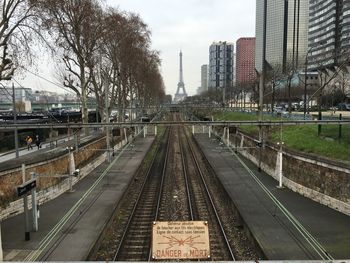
(34, 206)
(23, 190)
(26, 218)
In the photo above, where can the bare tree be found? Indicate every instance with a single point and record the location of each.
(275, 82)
(124, 62)
(75, 26)
(17, 26)
(341, 84)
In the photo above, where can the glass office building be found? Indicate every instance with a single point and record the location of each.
(286, 32)
(329, 32)
(345, 29)
(324, 37)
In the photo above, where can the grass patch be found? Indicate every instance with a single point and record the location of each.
(302, 138)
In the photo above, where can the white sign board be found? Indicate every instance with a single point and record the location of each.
(180, 240)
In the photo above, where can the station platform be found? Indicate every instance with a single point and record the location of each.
(70, 224)
(286, 225)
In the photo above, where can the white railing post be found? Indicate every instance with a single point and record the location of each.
(228, 136)
(279, 166)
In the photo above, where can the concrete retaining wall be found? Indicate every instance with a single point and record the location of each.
(322, 180)
(49, 187)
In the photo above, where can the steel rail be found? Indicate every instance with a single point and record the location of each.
(44, 243)
(132, 213)
(70, 226)
(184, 170)
(7, 126)
(210, 197)
(161, 186)
(163, 175)
(316, 246)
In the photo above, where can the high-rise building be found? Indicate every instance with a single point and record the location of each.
(329, 32)
(204, 78)
(286, 32)
(221, 65)
(245, 60)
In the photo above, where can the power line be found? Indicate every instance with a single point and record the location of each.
(56, 84)
(8, 95)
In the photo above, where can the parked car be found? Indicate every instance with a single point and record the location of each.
(278, 109)
(344, 106)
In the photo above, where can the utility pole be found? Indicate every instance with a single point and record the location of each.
(107, 121)
(15, 119)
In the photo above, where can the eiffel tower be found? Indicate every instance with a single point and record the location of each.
(181, 85)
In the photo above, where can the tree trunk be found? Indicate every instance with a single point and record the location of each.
(289, 98)
(85, 113)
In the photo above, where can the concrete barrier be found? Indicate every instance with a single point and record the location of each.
(320, 179)
(58, 185)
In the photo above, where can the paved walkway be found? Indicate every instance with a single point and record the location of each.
(57, 142)
(70, 224)
(276, 217)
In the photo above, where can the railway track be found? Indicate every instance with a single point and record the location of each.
(201, 204)
(173, 189)
(135, 243)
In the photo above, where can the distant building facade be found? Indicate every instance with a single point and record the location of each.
(204, 78)
(329, 32)
(21, 94)
(245, 60)
(221, 65)
(286, 32)
(29, 99)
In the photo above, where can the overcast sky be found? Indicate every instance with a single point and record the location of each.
(189, 25)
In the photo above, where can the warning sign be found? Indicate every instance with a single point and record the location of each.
(180, 240)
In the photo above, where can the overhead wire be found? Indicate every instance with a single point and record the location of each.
(50, 81)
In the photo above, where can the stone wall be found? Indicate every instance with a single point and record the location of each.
(87, 159)
(320, 179)
(48, 171)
